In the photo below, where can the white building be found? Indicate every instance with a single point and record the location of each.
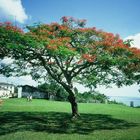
(6, 90)
(26, 91)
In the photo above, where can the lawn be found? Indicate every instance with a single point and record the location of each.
(50, 120)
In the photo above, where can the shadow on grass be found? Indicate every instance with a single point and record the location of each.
(56, 122)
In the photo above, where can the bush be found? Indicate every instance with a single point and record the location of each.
(91, 97)
(56, 92)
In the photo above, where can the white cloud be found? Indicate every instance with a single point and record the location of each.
(136, 38)
(131, 91)
(12, 10)
(23, 80)
(6, 60)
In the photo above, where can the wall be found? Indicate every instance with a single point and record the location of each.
(35, 94)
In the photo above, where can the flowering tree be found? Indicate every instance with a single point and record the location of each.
(69, 53)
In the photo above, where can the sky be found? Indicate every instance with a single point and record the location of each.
(116, 16)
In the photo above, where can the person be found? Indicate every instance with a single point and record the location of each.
(27, 98)
(30, 97)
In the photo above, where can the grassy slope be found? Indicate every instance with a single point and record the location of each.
(48, 120)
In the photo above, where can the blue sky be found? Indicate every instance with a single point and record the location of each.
(116, 16)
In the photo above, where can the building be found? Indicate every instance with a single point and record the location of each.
(6, 90)
(26, 91)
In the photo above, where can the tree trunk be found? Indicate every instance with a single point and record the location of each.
(74, 105)
(72, 99)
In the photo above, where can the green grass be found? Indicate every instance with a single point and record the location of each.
(50, 120)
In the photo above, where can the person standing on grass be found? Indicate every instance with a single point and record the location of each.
(30, 97)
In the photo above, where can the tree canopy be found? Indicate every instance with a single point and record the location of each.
(68, 51)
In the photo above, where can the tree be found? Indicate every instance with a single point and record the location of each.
(54, 89)
(68, 53)
(91, 96)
